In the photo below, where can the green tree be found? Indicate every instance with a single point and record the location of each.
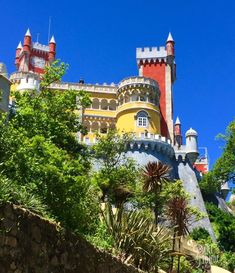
(155, 174)
(39, 151)
(224, 224)
(224, 168)
(117, 174)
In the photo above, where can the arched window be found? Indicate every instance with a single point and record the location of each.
(95, 104)
(112, 105)
(104, 104)
(103, 128)
(95, 126)
(142, 119)
(87, 126)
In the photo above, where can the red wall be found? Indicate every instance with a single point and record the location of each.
(157, 72)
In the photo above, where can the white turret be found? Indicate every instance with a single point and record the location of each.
(191, 145)
(225, 190)
(28, 83)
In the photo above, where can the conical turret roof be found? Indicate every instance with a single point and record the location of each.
(28, 33)
(19, 45)
(170, 38)
(52, 40)
(177, 121)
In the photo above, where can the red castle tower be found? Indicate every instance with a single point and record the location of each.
(33, 56)
(177, 133)
(159, 64)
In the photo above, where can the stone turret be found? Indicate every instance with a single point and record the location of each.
(52, 50)
(177, 133)
(225, 190)
(27, 41)
(170, 45)
(17, 57)
(191, 145)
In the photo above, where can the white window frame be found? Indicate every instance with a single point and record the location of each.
(142, 119)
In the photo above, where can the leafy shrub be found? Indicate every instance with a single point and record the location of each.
(199, 234)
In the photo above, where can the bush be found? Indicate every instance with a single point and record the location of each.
(199, 234)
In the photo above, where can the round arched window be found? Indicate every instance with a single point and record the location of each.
(142, 119)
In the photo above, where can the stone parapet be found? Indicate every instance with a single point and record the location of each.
(40, 47)
(105, 88)
(137, 81)
(17, 76)
(151, 54)
(153, 143)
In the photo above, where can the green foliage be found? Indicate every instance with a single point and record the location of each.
(53, 73)
(21, 195)
(137, 238)
(51, 114)
(155, 175)
(210, 183)
(227, 261)
(39, 151)
(225, 225)
(199, 234)
(117, 174)
(101, 238)
(110, 150)
(224, 168)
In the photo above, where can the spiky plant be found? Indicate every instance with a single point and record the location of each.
(179, 215)
(155, 174)
(137, 238)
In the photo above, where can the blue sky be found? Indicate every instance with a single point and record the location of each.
(98, 39)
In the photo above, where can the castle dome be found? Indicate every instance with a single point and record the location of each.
(191, 132)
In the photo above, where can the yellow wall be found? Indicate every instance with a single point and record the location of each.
(97, 112)
(102, 95)
(126, 118)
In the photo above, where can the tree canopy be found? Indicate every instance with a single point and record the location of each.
(40, 151)
(224, 168)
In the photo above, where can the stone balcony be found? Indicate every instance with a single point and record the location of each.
(137, 82)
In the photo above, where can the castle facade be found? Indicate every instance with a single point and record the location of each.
(141, 105)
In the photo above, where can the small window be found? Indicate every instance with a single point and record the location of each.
(142, 119)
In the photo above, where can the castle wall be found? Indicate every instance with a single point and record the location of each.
(188, 177)
(144, 153)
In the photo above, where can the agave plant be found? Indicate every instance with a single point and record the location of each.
(154, 175)
(139, 240)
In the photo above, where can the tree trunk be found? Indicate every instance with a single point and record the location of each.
(178, 270)
(173, 249)
(156, 213)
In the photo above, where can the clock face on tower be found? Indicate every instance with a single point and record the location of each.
(38, 62)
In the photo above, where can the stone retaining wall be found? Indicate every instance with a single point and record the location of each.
(30, 244)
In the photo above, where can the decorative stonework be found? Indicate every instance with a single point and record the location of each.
(148, 54)
(40, 47)
(86, 87)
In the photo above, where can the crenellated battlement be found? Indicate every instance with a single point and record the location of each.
(151, 53)
(40, 47)
(153, 143)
